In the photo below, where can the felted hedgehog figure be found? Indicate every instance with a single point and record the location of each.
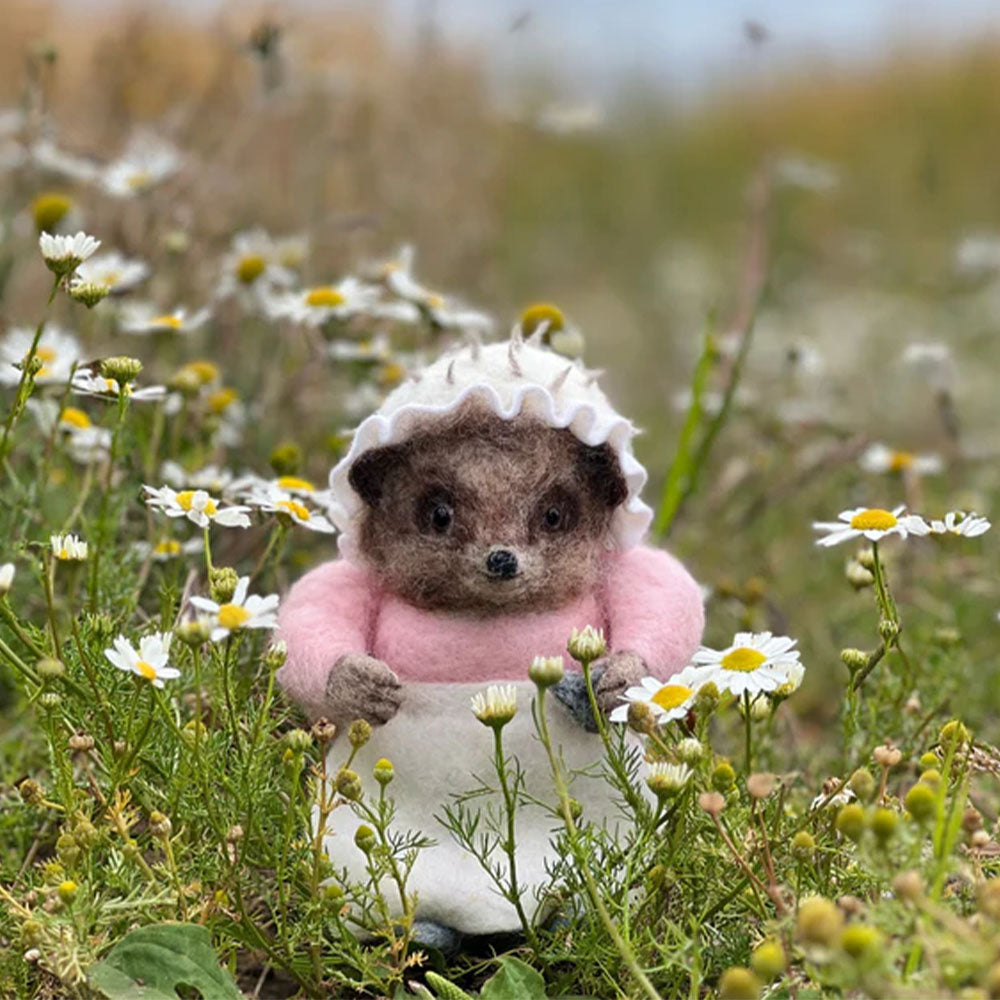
(487, 509)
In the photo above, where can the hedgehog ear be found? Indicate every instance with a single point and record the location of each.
(602, 473)
(369, 470)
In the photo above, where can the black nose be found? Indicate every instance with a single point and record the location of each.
(501, 563)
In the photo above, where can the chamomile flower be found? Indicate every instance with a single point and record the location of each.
(547, 323)
(6, 578)
(89, 383)
(665, 780)
(57, 349)
(150, 661)
(47, 155)
(957, 522)
(167, 548)
(114, 271)
(285, 504)
(213, 478)
(873, 523)
(321, 303)
(54, 212)
(64, 254)
(142, 317)
(146, 162)
(879, 458)
(68, 548)
(197, 506)
(252, 264)
(241, 612)
(495, 706)
(668, 700)
(755, 663)
(375, 350)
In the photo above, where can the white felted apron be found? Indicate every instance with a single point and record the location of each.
(436, 745)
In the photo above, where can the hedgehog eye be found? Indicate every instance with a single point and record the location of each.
(441, 517)
(553, 518)
(559, 511)
(436, 512)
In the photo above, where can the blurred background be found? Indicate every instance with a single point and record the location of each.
(641, 165)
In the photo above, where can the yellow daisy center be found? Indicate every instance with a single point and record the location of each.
(875, 519)
(44, 372)
(45, 353)
(49, 210)
(186, 497)
(139, 180)
(326, 297)
(222, 400)
(295, 483)
(671, 695)
(204, 371)
(743, 659)
(168, 547)
(541, 312)
(147, 670)
(111, 278)
(232, 616)
(900, 460)
(250, 268)
(391, 375)
(294, 507)
(167, 319)
(76, 418)
(435, 301)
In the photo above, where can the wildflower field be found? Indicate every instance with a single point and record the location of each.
(222, 246)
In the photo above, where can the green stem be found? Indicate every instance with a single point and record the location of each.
(102, 517)
(747, 732)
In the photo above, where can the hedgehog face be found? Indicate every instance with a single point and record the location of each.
(477, 514)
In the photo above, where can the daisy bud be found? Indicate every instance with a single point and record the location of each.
(723, 776)
(32, 933)
(348, 784)
(857, 576)
(575, 808)
(193, 633)
(860, 941)
(234, 835)
(588, 645)
(921, 802)
(186, 382)
(364, 838)
(286, 459)
(862, 784)
(546, 671)
(972, 819)
(978, 839)
(298, 740)
(768, 960)
(159, 825)
(81, 742)
(912, 705)
(88, 292)
(908, 885)
(689, 751)
(67, 891)
(121, 368)
(85, 833)
(641, 718)
(222, 581)
(100, 625)
(803, 845)
(884, 823)
(49, 668)
(276, 655)
(738, 983)
(866, 558)
(946, 636)
(818, 922)
(761, 785)
(887, 756)
(332, 893)
(50, 700)
(712, 802)
(359, 733)
(888, 629)
(384, 771)
(666, 780)
(49, 209)
(707, 699)
(854, 659)
(67, 849)
(932, 777)
(953, 734)
(6, 578)
(850, 821)
(31, 956)
(324, 730)
(496, 706)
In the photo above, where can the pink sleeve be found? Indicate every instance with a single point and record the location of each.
(329, 612)
(654, 608)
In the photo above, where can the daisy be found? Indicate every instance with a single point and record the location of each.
(495, 706)
(251, 264)
(756, 662)
(315, 306)
(146, 162)
(291, 251)
(167, 548)
(213, 478)
(57, 349)
(47, 155)
(669, 700)
(64, 254)
(666, 780)
(243, 611)
(114, 271)
(141, 317)
(68, 548)
(197, 506)
(871, 522)
(448, 314)
(149, 661)
(547, 323)
(278, 502)
(879, 459)
(88, 383)
(54, 212)
(957, 522)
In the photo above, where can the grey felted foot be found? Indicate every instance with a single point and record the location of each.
(431, 935)
(572, 692)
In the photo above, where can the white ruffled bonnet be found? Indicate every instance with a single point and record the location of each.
(511, 377)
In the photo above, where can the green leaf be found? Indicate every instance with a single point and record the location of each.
(153, 963)
(514, 981)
